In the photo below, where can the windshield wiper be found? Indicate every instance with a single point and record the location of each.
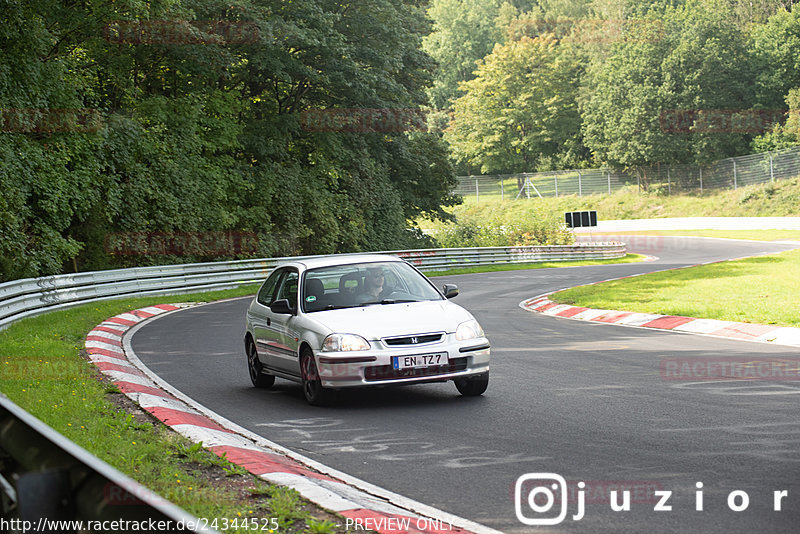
(388, 301)
(332, 307)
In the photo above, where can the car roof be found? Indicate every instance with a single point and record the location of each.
(340, 259)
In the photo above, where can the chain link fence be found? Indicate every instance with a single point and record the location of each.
(730, 173)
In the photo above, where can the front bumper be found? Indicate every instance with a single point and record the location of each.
(375, 367)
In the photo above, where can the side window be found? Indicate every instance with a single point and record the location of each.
(268, 288)
(288, 288)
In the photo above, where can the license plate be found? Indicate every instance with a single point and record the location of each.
(419, 360)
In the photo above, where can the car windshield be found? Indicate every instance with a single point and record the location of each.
(364, 284)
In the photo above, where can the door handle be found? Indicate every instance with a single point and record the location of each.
(269, 321)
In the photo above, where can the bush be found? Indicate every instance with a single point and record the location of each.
(469, 232)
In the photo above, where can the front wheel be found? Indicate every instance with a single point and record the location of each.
(254, 367)
(315, 394)
(474, 385)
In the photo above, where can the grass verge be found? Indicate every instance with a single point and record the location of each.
(43, 371)
(760, 290)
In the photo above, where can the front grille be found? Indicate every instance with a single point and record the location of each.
(387, 372)
(413, 340)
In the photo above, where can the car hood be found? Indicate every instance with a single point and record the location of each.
(386, 320)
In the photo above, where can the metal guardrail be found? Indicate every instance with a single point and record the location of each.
(50, 484)
(33, 296)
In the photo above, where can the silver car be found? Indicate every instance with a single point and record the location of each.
(348, 321)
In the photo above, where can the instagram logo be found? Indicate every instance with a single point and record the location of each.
(538, 493)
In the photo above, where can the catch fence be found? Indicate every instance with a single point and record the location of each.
(731, 173)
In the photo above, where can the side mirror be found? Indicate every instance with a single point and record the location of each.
(281, 306)
(450, 290)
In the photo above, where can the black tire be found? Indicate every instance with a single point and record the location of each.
(315, 394)
(473, 386)
(255, 369)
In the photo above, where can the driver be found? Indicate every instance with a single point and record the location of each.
(374, 289)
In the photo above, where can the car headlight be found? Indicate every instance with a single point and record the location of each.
(344, 342)
(469, 330)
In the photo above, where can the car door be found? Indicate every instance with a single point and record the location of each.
(261, 318)
(284, 356)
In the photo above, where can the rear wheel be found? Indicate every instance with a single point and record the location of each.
(315, 394)
(254, 367)
(473, 386)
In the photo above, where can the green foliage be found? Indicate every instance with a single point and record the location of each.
(315, 526)
(491, 231)
(625, 83)
(185, 132)
(783, 135)
(520, 112)
(285, 505)
(464, 32)
(690, 60)
(775, 46)
(196, 134)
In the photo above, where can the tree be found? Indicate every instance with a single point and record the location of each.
(783, 135)
(520, 112)
(649, 100)
(202, 132)
(776, 51)
(464, 31)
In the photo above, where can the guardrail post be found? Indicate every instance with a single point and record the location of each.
(701, 180)
(609, 181)
(735, 185)
(555, 178)
(502, 191)
(477, 192)
(580, 187)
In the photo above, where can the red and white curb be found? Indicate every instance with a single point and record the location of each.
(775, 335)
(367, 506)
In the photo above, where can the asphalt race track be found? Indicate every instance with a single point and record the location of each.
(585, 401)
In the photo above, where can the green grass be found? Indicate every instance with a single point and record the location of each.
(754, 235)
(781, 198)
(41, 369)
(759, 290)
(628, 258)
